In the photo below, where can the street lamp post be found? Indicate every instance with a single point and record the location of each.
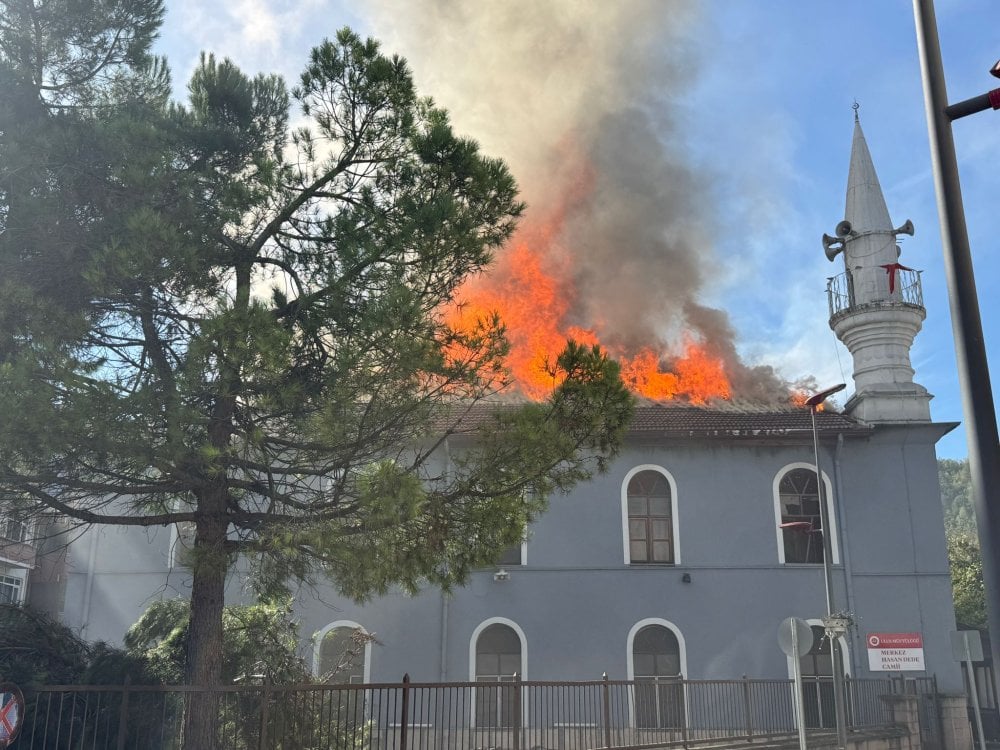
(834, 624)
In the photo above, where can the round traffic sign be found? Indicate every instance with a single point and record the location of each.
(795, 637)
(11, 713)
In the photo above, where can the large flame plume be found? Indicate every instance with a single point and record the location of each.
(584, 101)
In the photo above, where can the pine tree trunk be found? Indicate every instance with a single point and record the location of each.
(204, 645)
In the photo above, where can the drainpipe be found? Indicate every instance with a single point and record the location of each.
(443, 667)
(845, 546)
(444, 637)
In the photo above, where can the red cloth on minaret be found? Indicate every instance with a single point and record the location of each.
(891, 268)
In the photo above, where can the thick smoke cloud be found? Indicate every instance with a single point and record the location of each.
(581, 100)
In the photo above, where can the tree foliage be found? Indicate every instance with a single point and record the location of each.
(37, 650)
(968, 591)
(260, 642)
(209, 316)
(956, 496)
(964, 556)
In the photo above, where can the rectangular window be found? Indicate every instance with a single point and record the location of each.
(511, 556)
(13, 529)
(10, 589)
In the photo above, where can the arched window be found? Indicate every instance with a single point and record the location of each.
(498, 659)
(342, 653)
(656, 663)
(800, 523)
(650, 517)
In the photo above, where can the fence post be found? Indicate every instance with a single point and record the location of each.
(938, 719)
(606, 697)
(517, 711)
(123, 714)
(265, 701)
(405, 711)
(747, 708)
(684, 713)
(849, 712)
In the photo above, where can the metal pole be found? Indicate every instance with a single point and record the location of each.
(606, 700)
(405, 711)
(975, 693)
(970, 349)
(799, 704)
(835, 654)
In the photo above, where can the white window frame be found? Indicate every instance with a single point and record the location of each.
(522, 675)
(630, 659)
(674, 514)
(350, 624)
(17, 583)
(523, 559)
(663, 623)
(830, 514)
(26, 529)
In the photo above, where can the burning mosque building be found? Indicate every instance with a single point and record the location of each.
(705, 533)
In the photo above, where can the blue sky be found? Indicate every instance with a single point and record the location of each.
(763, 111)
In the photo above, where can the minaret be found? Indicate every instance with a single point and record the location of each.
(876, 305)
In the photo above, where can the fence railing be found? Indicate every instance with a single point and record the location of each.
(906, 289)
(514, 715)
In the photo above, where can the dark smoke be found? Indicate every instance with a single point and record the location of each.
(581, 100)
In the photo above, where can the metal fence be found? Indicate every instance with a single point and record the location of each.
(514, 715)
(907, 290)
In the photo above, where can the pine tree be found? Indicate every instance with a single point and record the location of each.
(210, 317)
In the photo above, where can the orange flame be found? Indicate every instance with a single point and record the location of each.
(697, 376)
(533, 299)
(799, 398)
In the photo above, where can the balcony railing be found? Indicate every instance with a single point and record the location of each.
(906, 291)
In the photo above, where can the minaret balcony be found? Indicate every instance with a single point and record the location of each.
(897, 287)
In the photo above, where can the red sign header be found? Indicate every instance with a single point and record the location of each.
(895, 640)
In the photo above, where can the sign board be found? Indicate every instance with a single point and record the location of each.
(11, 713)
(966, 645)
(895, 652)
(795, 637)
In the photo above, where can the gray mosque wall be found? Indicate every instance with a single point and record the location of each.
(576, 599)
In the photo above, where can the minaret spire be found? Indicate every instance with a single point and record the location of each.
(866, 208)
(876, 305)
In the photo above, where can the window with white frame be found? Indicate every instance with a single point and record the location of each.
(11, 589)
(13, 529)
(650, 518)
(799, 519)
(498, 660)
(513, 555)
